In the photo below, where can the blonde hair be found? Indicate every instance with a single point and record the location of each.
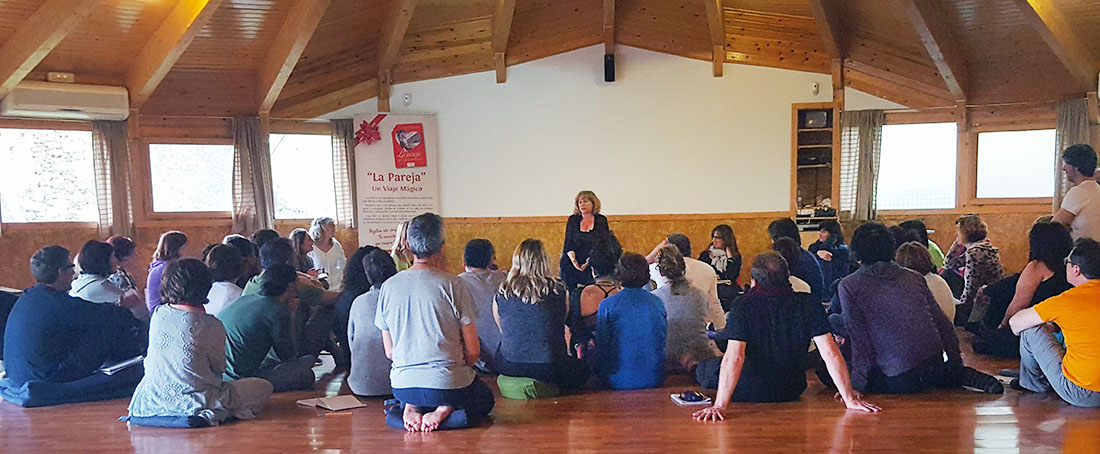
(591, 197)
(401, 241)
(529, 279)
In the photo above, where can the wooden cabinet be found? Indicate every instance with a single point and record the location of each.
(815, 159)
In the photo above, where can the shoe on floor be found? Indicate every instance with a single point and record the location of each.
(981, 382)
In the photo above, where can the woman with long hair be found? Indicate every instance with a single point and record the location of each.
(355, 283)
(402, 256)
(832, 254)
(724, 256)
(328, 253)
(531, 310)
(170, 248)
(370, 368)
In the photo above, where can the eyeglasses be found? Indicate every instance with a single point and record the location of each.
(1065, 261)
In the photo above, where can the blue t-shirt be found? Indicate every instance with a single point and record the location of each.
(631, 327)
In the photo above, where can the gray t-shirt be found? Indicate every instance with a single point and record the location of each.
(484, 286)
(424, 311)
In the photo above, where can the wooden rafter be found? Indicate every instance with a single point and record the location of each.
(931, 25)
(300, 24)
(39, 35)
(1052, 26)
(389, 44)
(828, 26)
(717, 34)
(166, 46)
(502, 26)
(608, 26)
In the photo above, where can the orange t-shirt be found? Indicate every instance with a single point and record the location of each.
(1077, 312)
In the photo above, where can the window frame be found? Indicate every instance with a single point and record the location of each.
(154, 218)
(47, 125)
(923, 117)
(973, 199)
(288, 127)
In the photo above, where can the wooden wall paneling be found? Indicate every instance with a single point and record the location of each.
(107, 41)
(190, 92)
(502, 25)
(41, 32)
(240, 33)
(828, 25)
(389, 44)
(289, 44)
(13, 14)
(541, 28)
(884, 22)
(1084, 18)
(1054, 29)
(927, 17)
(166, 46)
(1014, 117)
(775, 40)
(716, 24)
(676, 27)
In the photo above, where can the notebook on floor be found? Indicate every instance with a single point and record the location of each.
(334, 403)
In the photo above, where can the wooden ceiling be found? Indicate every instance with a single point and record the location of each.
(304, 58)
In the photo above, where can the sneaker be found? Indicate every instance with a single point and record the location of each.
(977, 381)
(1014, 373)
(1019, 387)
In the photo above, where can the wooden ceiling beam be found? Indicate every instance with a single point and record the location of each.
(1054, 29)
(327, 99)
(502, 26)
(828, 26)
(389, 45)
(166, 46)
(717, 34)
(38, 36)
(927, 16)
(289, 44)
(608, 27)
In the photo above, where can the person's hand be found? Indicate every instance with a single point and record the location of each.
(709, 414)
(578, 266)
(857, 403)
(130, 299)
(314, 273)
(585, 266)
(825, 255)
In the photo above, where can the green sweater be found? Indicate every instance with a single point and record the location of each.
(254, 325)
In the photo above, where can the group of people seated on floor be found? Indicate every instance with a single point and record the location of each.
(219, 335)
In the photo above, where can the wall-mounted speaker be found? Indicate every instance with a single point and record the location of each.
(609, 67)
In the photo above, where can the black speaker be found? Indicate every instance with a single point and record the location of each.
(609, 67)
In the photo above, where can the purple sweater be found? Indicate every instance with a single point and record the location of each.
(893, 322)
(152, 289)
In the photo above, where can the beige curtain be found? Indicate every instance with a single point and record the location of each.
(111, 161)
(1073, 128)
(343, 172)
(253, 202)
(860, 153)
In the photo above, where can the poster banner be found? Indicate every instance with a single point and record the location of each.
(396, 173)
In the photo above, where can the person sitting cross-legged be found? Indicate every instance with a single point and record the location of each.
(1045, 365)
(183, 371)
(429, 330)
(768, 331)
(55, 343)
(896, 330)
(484, 283)
(631, 328)
(261, 323)
(370, 368)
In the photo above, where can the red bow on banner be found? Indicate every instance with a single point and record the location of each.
(368, 132)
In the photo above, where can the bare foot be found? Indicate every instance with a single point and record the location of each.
(412, 418)
(431, 421)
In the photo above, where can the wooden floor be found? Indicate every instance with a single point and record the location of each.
(639, 421)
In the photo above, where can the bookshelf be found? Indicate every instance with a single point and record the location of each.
(815, 161)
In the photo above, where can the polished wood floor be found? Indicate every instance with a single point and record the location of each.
(640, 421)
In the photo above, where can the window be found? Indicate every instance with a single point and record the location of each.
(1015, 164)
(47, 176)
(301, 176)
(917, 168)
(191, 177)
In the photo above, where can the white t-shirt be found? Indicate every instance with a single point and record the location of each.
(1083, 201)
(799, 285)
(333, 262)
(701, 276)
(221, 295)
(942, 293)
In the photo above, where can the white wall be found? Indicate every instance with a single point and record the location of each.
(666, 137)
(858, 100)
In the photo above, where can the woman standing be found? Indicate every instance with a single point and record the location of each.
(724, 256)
(832, 254)
(530, 310)
(583, 229)
(328, 253)
(170, 247)
(186, 358)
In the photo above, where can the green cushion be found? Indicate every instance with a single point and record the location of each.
(525, 388)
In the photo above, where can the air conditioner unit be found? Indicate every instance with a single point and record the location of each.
(66, 101)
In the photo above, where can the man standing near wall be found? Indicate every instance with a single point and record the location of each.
(1080, 209)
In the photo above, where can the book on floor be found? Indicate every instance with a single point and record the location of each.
(333, 403)
(115, 368)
